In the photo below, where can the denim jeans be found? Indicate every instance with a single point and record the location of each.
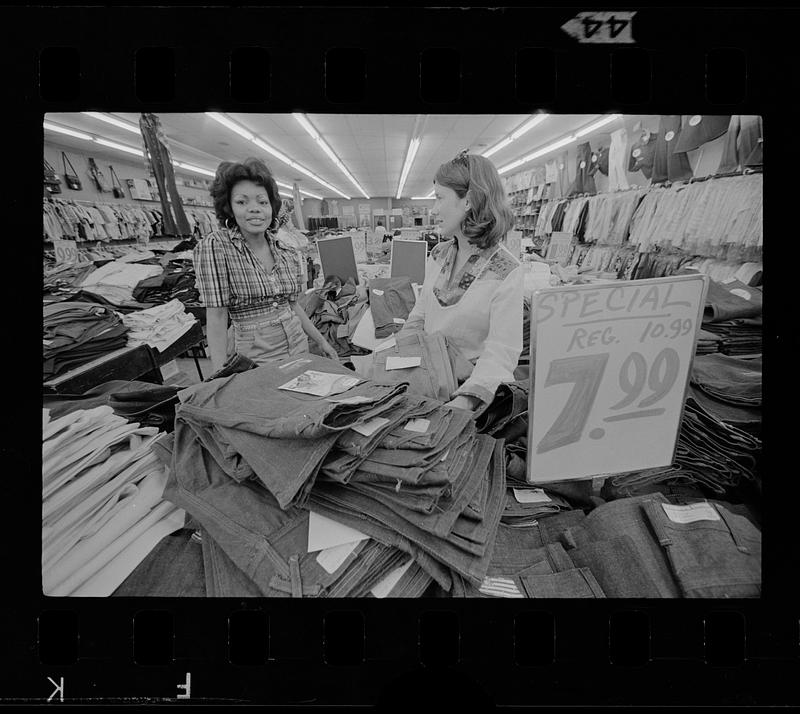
(738, 415)
(729, 379)
(510, 404)
(627, 517)
(617, 566)
(722, 304)
(440, 418)
(390, 298)
(707, 557)
(575, 583)
(251, 401)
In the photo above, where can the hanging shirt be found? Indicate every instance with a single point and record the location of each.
(230, 275)
(480, 309)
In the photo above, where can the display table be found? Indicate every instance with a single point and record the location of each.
(127, 363)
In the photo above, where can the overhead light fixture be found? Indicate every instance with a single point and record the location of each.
(410, 154)
(233, 126)
(284, 194)
(69, 132)
(264, 146)
(119, 147)
(114, 121)
(302, 190)
(517, 133)
(560, 143)
(196, 169)
(303, 121)
(421, 198)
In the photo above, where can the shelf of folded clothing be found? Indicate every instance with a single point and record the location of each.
(126, 363)
(193, 337)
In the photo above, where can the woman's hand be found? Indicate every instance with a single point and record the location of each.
(328, 351)
(463, 402)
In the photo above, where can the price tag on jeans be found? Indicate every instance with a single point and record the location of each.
(612, 365)
(333, 558)
(170, 369)
(368, 428)
(534, 495)
(398, 321)
(402, 362)
(702, 511)
(420, 426)
(66, 251)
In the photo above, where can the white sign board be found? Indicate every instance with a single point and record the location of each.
(337, 257)
(560, 247)
(612, 364)
(66, 251)
(408, 259)
(360, 247)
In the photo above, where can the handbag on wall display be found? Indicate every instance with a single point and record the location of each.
(52, 183)
(71, 179)
(116, 184)
(97, 177)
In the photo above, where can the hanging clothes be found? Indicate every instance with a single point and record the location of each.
(643, 154)
(668, 164)
(698, 130)
(583, 182)
(617, 179)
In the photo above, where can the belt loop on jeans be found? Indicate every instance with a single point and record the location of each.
(294, 575)
(655, 514)
(732, 529)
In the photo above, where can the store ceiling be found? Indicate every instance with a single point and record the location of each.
(373, 147)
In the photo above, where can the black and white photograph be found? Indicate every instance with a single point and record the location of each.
(402, 355)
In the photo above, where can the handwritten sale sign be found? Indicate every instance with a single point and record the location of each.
(611, 371)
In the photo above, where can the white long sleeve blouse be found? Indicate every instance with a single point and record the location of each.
(480, 309)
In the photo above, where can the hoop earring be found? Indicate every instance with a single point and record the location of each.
(227, 224)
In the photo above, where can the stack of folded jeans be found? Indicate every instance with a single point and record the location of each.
(707, 343)
(430, 363)
(730, 389)
(77, 332)
(158, 326)
(710, 453)
(102, 505)
(733, 312)
(116, 280)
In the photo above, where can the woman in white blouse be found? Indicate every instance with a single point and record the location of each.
(473, 290)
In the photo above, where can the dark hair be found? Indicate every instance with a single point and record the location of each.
(229, 173)
(489, 217)
(379, 224)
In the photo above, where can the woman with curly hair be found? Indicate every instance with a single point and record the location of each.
(473, 289)
(251, 272)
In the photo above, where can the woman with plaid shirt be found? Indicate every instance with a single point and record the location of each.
(249, 271)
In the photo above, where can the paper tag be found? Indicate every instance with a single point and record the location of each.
(331, 559)
(583, 164)
(320, 384)
(370, 427)
(343, 330)
(399, 321)
(325, 533)
(420, 426)
(500, 587)
(741, 293)
(637, 153)
(534, 495)
(47, 342)
(170, 369)
(391, 342)
(693, 512)
(402, 362)
(385, 586)
(670, 136)
(377, 292)
(695, 120)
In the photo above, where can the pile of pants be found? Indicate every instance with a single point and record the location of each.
(391, 301)
(158, 326)
(707, 343)
(116, 280)
(441, 369)
(335, 310)
(176, 282)
(77, 332)
(641, 547)
(733, 312)
(244, 460)
(102, 505)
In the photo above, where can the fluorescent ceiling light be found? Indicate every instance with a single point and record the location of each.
(593, 127)
(560, 143)
(233, 126)
(196, 169)
(69, 132)
(303, 191)
(410, 154)
(421, 198)
(119, 147)
(114, 121)
(517, 133)
(303, 121)
(285, 195)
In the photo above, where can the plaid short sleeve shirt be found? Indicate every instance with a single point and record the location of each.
(229, 274)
